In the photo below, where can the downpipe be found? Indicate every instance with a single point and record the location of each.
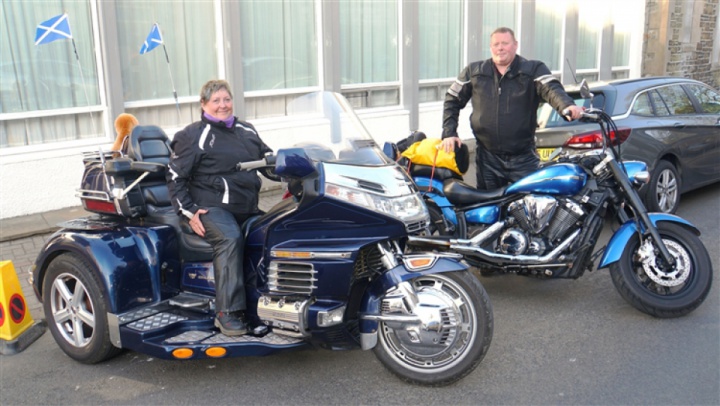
(472, 247)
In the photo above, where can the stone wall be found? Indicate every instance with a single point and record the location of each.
(680, 40)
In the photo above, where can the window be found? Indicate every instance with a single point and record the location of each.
(369, 52)
(47, 76)
(676, 100)
(549, 16)
(548, 117)
(440, 52)
(708, 99)
(642, 106)
(660, 107)
(590, 27)
(624, 17)
(279, 44)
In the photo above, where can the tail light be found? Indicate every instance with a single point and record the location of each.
(99, 206)
(591, 140)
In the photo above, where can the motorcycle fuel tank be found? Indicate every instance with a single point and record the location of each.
(560, 179)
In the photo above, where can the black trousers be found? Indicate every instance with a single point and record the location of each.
(223, 232)
(494, 171)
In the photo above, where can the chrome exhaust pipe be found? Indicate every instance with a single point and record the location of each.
(514, 259)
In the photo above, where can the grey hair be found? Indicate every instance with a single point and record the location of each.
(213, 86)
(504, 30)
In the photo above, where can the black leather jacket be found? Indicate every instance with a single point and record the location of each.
(504, 116)
(202, 167)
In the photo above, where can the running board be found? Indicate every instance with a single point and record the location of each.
(162, 328)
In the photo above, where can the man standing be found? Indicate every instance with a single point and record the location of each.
(506, 91)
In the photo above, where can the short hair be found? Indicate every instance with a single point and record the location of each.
(213, 86)
(504, 30)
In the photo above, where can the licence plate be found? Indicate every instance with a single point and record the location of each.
(545, 153)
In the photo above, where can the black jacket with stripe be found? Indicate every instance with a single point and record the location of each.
(202, 171)
(504, 115)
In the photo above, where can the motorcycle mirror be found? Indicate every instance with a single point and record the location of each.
(585, 92)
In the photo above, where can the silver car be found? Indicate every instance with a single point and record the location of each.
(672, 124)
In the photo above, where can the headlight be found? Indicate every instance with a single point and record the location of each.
(407, 208)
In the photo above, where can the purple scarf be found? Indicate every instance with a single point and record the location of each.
(228, 122)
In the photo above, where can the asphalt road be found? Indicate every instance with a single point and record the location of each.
(556, 342)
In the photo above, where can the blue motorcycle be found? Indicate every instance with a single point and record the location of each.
(547, 225)
(325, 267)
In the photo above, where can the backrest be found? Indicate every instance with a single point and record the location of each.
(149, 143)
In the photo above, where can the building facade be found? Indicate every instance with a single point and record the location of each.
(392, 59)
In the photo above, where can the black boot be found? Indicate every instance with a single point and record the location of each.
(230, 325)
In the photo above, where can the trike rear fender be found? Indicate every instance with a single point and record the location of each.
(128, 260)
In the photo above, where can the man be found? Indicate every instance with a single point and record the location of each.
(506, 91)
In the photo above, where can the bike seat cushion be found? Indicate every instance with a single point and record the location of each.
(460, 193)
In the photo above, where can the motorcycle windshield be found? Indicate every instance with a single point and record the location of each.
(337, 134)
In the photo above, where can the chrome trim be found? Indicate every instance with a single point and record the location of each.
(114, 330)
(368, 341)
(516, 259)
(320, 255)
(93, 195)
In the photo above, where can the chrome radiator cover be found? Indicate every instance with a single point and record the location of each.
(286, 316)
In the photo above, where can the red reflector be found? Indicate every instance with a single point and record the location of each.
(99, 206)
(594, 139)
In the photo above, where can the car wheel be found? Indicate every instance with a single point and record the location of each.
(663, 194)
(75, 309)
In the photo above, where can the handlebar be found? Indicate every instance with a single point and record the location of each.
(269, 160)
(585, 114)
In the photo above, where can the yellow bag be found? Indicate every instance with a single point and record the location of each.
(429, 152)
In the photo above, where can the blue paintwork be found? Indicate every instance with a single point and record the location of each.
(293, 163)
(483, 215)
(622, 236)
(559, 179)
(118, 256)
(633, 168)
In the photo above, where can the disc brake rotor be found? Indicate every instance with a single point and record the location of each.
(662, 275)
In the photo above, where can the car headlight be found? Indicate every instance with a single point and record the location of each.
(408, 208)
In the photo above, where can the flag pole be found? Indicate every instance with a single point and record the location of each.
(82, 77)
(172, 82)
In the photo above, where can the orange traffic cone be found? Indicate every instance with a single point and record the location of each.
(17, 329)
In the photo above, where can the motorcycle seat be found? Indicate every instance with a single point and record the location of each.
(460, 193)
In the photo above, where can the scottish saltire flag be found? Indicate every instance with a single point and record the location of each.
(53, 29)
(153, 39)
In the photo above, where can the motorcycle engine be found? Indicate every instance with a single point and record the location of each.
(540, 223)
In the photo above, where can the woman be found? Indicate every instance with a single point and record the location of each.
(206, 188)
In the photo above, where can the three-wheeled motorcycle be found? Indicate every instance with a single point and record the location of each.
(326, 266)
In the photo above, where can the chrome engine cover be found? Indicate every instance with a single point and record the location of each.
(513, 241)
(287, 316)
(533, 212)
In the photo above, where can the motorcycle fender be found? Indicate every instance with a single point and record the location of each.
(432, 187)
(128, 261)
(620, 239)
(372, 299)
